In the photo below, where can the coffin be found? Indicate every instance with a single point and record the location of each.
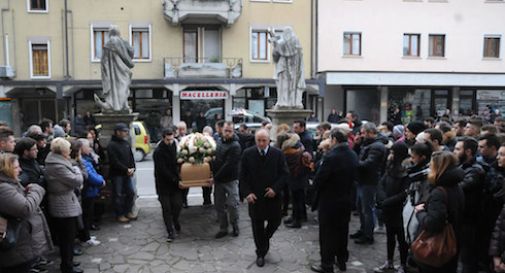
(195, 175)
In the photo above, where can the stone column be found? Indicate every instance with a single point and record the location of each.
(455, 101)
(384, 90)
(288, 116)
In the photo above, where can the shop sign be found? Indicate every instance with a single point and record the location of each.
(203, 95)
(491, 95)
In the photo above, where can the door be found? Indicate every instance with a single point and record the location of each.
(212, 45)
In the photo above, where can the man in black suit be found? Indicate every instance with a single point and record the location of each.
(262, 176)
(333, 184)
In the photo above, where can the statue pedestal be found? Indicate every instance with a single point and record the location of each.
(109, 121)
(286, 115)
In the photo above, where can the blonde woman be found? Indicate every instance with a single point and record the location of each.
(62, 181)
(22, 203)
(445, 203)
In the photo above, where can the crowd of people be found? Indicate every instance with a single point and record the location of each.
(404, 180)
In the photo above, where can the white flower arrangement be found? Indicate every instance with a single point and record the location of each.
(196, 149)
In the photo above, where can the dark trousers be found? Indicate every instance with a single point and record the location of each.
(88, 213)
(171, 205)
(366, 195)
(66, 229)
(469, 251)
(298, 203)
(286, 197)
(263, 234)
(124, 194)
(206, 192)
(333, 237)
(396, 233)
(20, 268)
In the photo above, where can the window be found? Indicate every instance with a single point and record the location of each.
(100, 38)
(437, 45)
(411, 44)
(190, 45)
(39, 63)
(37, 5)
(140, 41)
(352, 44)
(492, 47)
(259, 45)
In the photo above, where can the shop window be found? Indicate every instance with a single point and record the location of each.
(352, 44)
(437, 45)
(466, 102)
(441, 102)
(406, 105)
(40, 60)
(411, 45)
(492, 47)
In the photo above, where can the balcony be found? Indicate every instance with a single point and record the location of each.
(178, 67)
(224, 12)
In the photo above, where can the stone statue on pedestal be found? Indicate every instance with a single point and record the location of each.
(288, 57)
(116, 63)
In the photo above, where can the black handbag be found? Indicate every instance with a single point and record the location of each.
(9, 232)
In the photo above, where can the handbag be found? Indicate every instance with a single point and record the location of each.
(435, 249)
(9, 232)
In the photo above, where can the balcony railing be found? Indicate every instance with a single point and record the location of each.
(180, 67)
(202, 11)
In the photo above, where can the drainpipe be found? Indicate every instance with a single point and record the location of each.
(4, 35)
(67, 69)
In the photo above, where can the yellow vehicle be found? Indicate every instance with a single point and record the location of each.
(142, 146)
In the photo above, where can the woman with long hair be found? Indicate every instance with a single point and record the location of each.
(445, 203)
(18, 202)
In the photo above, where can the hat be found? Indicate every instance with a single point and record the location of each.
(121, 127)
(416, 127)
(37, 136)
(398, 131)
(344, 128)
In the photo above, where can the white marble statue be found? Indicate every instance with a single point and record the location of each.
(116, 63)
(288, 58)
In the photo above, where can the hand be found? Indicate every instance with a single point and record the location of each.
(269, 193)
(419, 208)
(211, 182)
(251, 198)
(131, 171)
(182, 187)
(498, 265)
(103, 184)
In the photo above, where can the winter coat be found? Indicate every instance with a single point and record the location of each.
(472, 186)
(497, 244)
(442, 207)
(306, 140)
(334, 179)
(120, 157)
(391, 194)
(31, 172)
(298, 172)
(62, 181)
(246, 140)
(417, 192)
(34, 237)
(226, 164)
(94, 181)
(166, 172)
(371, 161)
(259, 172)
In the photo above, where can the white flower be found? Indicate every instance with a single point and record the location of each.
(192, 149)
(191, 160)
(184, 152)
(210, 151)
(207, 159)
(180, 160)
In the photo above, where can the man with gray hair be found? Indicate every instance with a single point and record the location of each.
(372, 157)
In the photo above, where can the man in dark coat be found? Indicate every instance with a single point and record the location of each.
(225, 177)
(166, 175)
(26, 149)
(122, 168)
(333, 184)
(372, 157)
(262, 176)
(305, 136)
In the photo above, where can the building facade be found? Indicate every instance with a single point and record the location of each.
(425, 57)
(191, 56)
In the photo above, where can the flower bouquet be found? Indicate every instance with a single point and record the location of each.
(194, 152)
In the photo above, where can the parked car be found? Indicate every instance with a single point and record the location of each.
(239, 116)
(142, 140)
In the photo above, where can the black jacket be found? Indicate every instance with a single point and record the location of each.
(225, 166)
(166, 171)
(120, 156)
(306, 140)
(31, 172)
(334, 179)
(472, 186)
(371, 161)
(391, 193)
(497, 244)
(444, 206)
(246, 140)
(260, 172)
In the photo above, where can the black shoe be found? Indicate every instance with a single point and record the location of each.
(221, 234)
(288, 221)
(358, 234)
(320, 269)
(260, 261)
(235, 232)
(170, 237)
(77, 252)
(94, 227)
(77, 270)
(295, 224)
(177, 226)
(185, 205)
(76, 264)
(364, 241)
(341, 266)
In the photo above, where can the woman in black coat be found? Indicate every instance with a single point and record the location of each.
(497, 243)
(445, 203)
(390, 198)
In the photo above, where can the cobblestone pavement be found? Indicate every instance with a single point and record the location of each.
(140, 246)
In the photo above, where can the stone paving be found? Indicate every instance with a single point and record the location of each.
(140, 246)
